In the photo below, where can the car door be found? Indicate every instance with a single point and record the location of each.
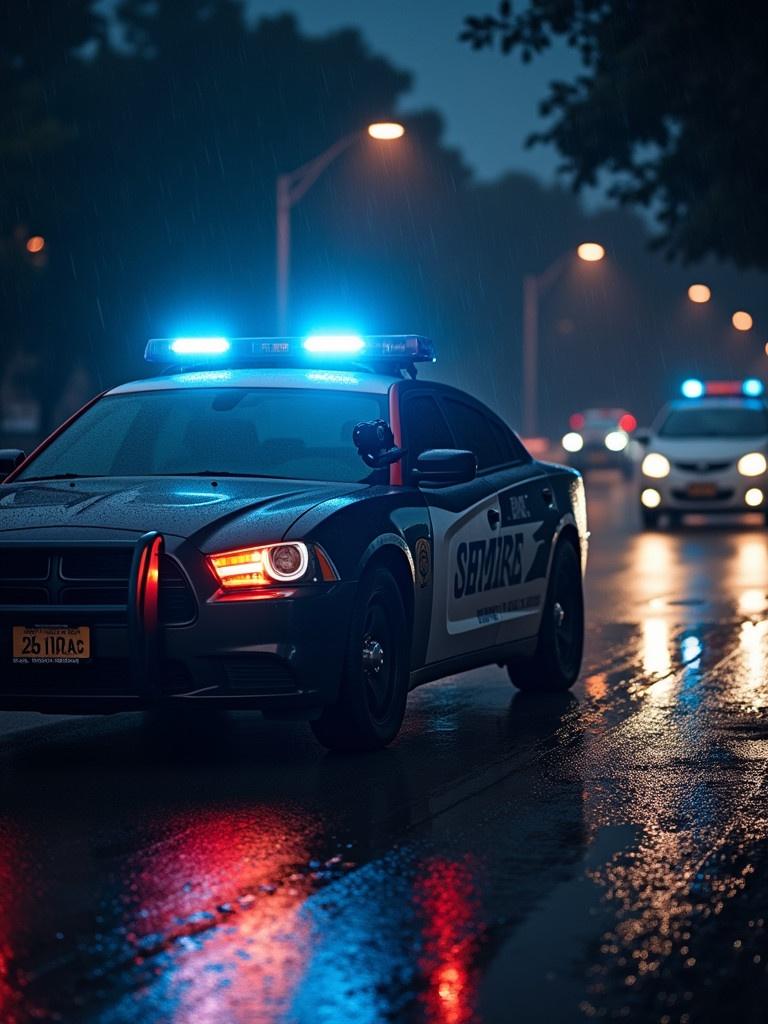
(459, 516)
(500, 556)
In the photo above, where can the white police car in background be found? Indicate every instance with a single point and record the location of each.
(706, 453)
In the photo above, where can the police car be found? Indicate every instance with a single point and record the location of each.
(299, 526)
(706, 452)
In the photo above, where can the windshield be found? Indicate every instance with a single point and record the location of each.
(274, 432)
(739, 421)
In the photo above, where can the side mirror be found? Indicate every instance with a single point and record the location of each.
(10, 458)
(441, 467)
(642, 436)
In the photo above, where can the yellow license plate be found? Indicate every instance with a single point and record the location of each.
(51, 645)
(702, 490)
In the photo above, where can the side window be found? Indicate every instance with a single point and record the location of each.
(511, 447)
(424, 427)
(476, 433)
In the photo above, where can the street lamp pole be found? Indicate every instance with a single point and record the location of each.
(535, 287)
(292, 186)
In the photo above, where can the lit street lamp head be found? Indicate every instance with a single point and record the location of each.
(699, 293)
(386, 130)
(590, 252)
(742, 321)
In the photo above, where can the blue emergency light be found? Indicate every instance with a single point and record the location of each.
(386, 351)
(692, 388)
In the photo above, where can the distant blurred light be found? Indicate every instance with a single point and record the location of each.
(35, 244)
(699, 293)
(752, 602)
(766, 348)
(628, 422)
(753, 387)
(616, 441)
(650, 497)
(692, 388)
(742, 321)
(199, 346)
(573, 442)
(386, 130)
(754, 497)
(334, 344)
(590, 252)
(577, 421)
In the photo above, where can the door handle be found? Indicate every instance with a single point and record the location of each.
(494, 517)
(546, 493)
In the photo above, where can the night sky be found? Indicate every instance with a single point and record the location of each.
(488, 101)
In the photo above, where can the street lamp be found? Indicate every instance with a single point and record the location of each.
(293, 185)
(699, 293)
(742, 321)
(535, 287)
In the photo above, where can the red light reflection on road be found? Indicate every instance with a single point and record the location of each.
(219, 902)
(447, 898)
(11, 998)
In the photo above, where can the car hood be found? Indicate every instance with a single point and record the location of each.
(706, 449)
(247, 511)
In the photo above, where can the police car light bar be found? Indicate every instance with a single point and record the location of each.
(398, 351)
(751, 387)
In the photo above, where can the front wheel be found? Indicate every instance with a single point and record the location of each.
(555, 665)
(374, 685)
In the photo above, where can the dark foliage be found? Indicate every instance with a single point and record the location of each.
(672, 105)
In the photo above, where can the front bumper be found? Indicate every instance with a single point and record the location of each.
(282, 655)
(708, 494)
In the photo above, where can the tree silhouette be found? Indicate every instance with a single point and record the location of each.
(672, 106)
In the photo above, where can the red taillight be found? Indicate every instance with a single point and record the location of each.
(628, 423)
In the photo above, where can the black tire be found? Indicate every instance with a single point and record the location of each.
(649, 517)
(374, 685)
(555, 665)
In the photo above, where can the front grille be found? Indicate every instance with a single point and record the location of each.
(703, 467)
(722, 495)
(88, 576)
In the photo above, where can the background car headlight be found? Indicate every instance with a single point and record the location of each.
(752, 464)
(573, 442)
(656, 465)
(616, 441)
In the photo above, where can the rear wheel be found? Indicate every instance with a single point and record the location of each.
(555, 665)
(374, 686)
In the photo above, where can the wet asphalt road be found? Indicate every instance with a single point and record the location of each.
(600, 855)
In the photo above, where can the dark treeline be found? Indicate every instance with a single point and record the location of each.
(145, 151)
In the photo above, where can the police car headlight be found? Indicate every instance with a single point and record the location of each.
(753, 464)
(656, 465)
(573, 442)
(263, 566)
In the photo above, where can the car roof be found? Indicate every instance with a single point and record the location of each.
(312, 379)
